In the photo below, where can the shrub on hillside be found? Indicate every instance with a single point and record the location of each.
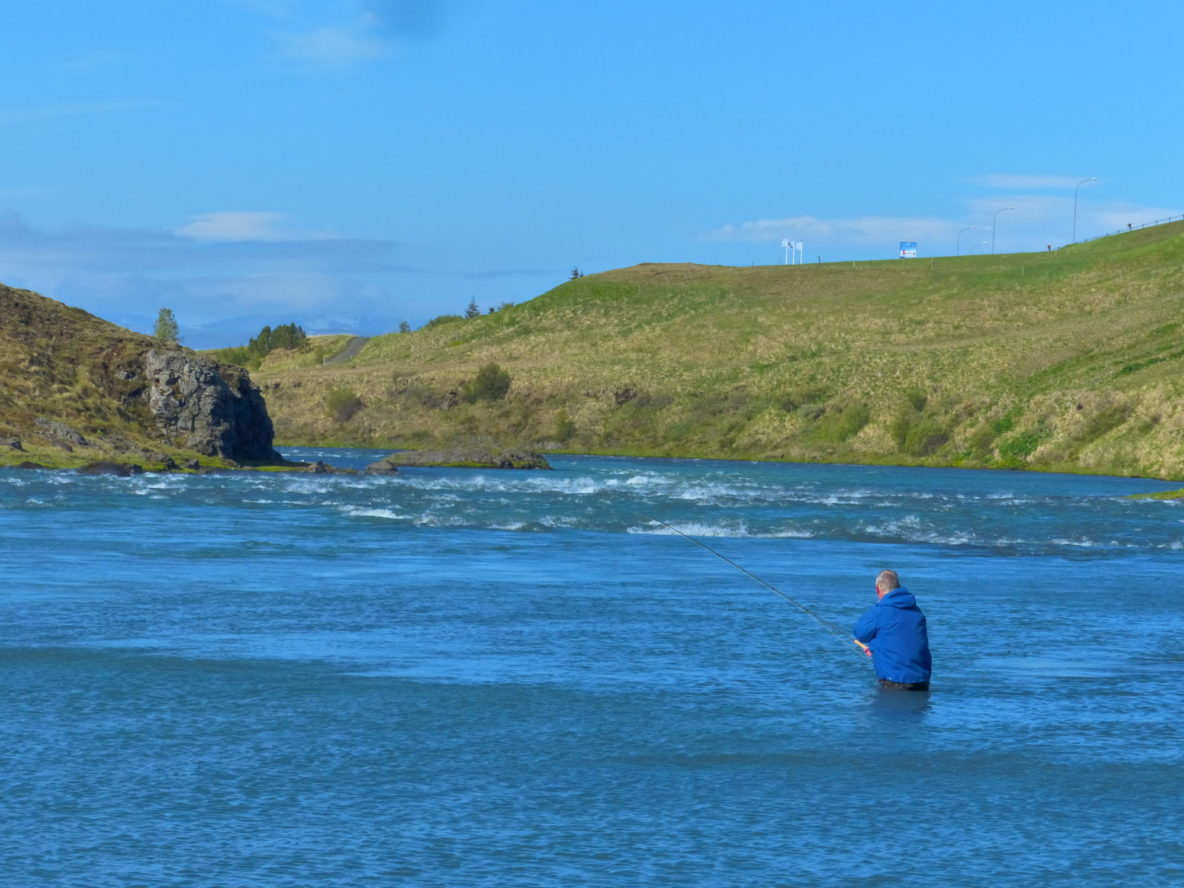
(441, 319)
(839, 425)
(342, 404)
(491, 384)
(565, 427)
(1014, 451)
(917, 431)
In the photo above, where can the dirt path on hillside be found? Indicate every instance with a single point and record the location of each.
(349, 352)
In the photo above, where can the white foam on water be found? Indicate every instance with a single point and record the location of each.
(581, 486)
(691, 530)
(511, 526)
(794, 534)
(648, 481)
(359, 512)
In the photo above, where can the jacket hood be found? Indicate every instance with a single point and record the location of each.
(898, 597)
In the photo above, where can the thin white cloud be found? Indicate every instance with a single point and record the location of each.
(862, 230)
(77, 109)
(1039, 210)
(1032, 183)
(109, 270)
(1015, 222)
(1116, 215)
(245, 225)
(331, 48)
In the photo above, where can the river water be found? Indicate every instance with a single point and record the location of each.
(470, 678)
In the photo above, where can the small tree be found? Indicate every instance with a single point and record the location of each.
(167, 331)
(473, 311)
(404, 327)
(575, 273)
(490, 384)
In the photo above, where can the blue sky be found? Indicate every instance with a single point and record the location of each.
(348, 165)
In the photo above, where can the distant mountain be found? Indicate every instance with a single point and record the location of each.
(1069, 360)
(76, 389)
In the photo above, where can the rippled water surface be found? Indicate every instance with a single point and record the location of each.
(466, 678)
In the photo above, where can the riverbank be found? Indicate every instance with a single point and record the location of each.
(1066, 361)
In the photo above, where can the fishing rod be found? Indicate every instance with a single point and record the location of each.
(827, 625)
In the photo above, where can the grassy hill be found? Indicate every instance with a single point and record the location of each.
(1061, 361)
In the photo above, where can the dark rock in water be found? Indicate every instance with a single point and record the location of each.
(212, 408)
(469, 458)
(382, 467)
(321, 468)
(122, 470)
(61, 434)
(193, 465)
(30, 465)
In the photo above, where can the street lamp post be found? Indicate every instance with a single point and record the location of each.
(1075, 187)
(974, 247)
(993, 221)
(960, 233)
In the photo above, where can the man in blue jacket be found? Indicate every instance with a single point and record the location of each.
(893, 634)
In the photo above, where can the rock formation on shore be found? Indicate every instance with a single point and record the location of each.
(211, 408)
(75, 389)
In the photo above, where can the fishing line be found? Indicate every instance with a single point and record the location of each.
(828, 626)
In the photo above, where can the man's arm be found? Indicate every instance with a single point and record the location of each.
(865, 627)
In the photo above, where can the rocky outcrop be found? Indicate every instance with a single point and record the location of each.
(382, 467)
(119, 470)
(212, 408)
(462, 457)
(60, 433)
(75, 388)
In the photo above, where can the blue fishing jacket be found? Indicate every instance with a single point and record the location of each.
(894, 629)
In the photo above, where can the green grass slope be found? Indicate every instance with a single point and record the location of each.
(1058, 361)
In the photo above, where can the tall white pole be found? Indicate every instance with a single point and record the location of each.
(960, 233)
(1075, 187)
(993, 221)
